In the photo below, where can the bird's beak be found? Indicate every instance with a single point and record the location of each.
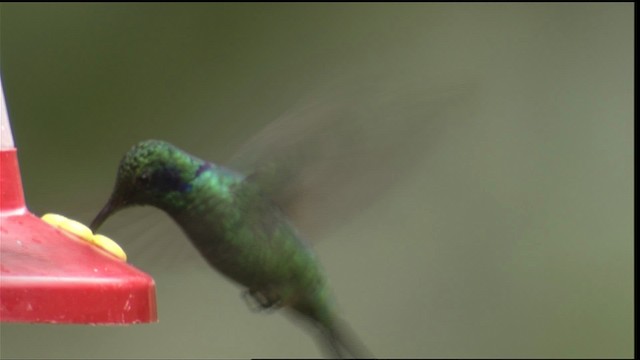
(111, 207)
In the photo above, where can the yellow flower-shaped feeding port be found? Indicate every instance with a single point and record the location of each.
(80, 230)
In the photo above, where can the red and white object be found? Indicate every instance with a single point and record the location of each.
(48, 275)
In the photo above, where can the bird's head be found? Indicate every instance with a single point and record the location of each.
(152, 172)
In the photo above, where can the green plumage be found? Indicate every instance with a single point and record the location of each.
(235, 227)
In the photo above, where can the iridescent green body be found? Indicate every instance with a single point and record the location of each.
(237, 229)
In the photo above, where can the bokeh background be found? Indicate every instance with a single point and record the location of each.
(511, 237)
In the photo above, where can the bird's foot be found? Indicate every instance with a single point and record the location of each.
(258, 301)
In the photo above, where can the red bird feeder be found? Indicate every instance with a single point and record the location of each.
(48, 275)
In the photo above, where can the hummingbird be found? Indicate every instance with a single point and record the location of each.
(238, 230)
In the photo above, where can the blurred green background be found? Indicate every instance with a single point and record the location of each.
(512, 238)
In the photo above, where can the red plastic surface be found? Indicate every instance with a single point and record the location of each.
(50, 276)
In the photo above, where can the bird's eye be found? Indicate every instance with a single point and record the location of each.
(144, 178)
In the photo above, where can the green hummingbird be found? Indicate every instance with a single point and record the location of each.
(238, 229)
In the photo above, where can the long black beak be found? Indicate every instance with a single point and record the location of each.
(111, 207)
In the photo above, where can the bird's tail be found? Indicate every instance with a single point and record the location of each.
(340, 342)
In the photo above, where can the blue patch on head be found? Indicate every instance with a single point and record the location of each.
(168, 179)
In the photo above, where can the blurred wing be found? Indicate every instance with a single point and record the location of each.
(333, 154)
